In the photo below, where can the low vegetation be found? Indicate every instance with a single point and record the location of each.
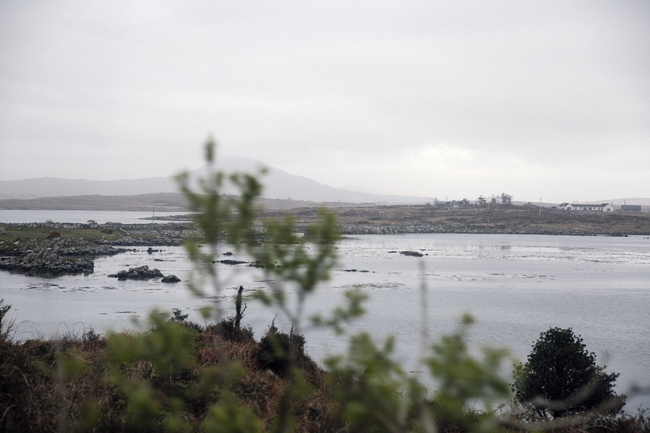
(174, 377)
(181, 376)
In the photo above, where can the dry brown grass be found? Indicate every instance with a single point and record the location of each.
(33, 397)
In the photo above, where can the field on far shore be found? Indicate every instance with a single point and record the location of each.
(496, 219)
(508, 219)
(471, 219)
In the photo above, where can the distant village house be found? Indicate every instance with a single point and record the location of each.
(631, 208)
(603, 207)
(453, 203)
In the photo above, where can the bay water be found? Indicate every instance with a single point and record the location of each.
(515, 286)
(80, 216)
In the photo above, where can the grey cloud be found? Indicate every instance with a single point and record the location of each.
(308, 83)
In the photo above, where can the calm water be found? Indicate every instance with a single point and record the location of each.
(516, 286)
(78, 216)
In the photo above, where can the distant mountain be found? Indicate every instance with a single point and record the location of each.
(278, 184)
(57, 187)
(362, 188)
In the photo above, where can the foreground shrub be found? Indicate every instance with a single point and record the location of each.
(276, 350)
(6, 325)
(562, 378)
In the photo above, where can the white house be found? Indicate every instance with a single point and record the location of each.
(603, 207)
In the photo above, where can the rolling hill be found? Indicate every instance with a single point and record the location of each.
(278, 185)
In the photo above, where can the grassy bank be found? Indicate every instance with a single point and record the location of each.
(89, 234)
(119, 234)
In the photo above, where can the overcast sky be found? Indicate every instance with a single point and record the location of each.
(538, 99)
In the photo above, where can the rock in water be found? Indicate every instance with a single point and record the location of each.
(411, 253)
(171, 278)
(139, 273)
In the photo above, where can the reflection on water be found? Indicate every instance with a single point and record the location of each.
(515, 285)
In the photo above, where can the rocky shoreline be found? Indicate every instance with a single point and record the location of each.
(386, 220)
(52, 257)
(72, 255)
(127, 235)
(380, 229)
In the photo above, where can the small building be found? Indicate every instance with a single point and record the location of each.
(453, 203)
(631, 208)
(603, 207)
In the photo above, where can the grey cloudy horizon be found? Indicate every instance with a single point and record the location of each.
(543, 99)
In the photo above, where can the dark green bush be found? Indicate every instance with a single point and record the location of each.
(562, 378)
(276, 347)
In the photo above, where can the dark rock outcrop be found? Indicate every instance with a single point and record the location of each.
(171, 278)
(53, 257)
(47, 263)
(411, 253)
(231, 262)
(139, 273)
